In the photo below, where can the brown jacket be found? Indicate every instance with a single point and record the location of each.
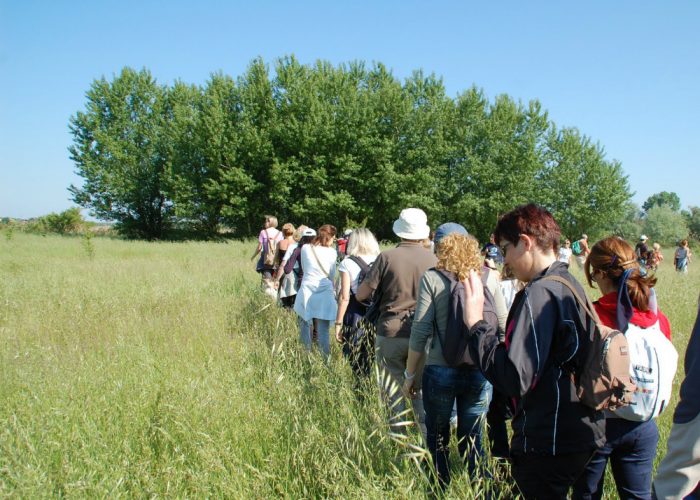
(396, 275)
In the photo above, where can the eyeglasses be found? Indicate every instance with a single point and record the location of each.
(504, 247)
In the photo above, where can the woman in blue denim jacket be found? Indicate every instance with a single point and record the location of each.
(443, 384)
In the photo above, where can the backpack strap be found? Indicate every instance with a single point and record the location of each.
(360, 262)
(585, 303)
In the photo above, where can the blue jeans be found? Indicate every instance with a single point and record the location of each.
(442, 385)
(630, 447)
(322, 328)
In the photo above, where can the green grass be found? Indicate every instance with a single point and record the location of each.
(160, 369)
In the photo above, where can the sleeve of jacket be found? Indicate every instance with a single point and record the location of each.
(516, 369)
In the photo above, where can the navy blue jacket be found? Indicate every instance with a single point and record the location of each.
(546, 337)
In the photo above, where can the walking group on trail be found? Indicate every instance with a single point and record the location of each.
(453, 340)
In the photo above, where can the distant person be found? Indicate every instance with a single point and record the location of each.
(396, 276)
(268, 239)
(630, 446)
(678, 474)
(492, 251)
(342, 243)
(289, 282)
(315, 300)
(580, 250)
(642, 250)
(565, 252)
(547, 338)
(362, 251)
(443, 385)
(682, 257)
(655, 257)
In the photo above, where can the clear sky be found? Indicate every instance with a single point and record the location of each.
(626, 73)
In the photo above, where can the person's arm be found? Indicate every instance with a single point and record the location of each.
(414, 361)
(343, 301)
(421, 330)
(513, 371)
(260, 246)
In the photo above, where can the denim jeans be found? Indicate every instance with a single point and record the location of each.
(322, 328)
(630, 447)
(442, 385)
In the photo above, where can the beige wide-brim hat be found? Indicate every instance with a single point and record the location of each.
(412, 224)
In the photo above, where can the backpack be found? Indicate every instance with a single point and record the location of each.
(576, 247)
(270, 249)
(602, 379)
(653, 367)
(373, 312)
(364, 268)
(455, 339)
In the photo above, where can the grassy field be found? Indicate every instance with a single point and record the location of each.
(159, 369)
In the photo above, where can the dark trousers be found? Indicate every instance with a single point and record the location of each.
(442, 385)
(630, 447)
(548, 476)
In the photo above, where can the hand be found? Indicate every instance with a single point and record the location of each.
(473, 299)
(339, 334)
(408, 388)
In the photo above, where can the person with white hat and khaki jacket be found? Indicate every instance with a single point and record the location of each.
(396, 276)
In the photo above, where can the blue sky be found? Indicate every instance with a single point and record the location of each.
(626, 73)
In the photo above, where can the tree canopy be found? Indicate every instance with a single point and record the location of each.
(663, 198)
(321, 144)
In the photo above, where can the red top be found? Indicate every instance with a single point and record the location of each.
(607, 304)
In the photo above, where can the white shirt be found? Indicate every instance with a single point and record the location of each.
(564, 255)
(350, 266)
(315, 297)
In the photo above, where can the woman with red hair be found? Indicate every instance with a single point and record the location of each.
(628, 298)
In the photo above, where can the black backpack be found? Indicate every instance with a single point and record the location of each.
(455, 339)
(364, 268)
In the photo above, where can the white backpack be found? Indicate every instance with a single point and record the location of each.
(653, 362)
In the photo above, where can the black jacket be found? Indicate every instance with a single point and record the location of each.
(546, 338)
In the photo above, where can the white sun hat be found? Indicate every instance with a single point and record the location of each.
(412, 224)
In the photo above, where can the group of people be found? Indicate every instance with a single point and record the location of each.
(527, 338)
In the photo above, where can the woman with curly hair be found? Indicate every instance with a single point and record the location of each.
(457, 254)
(628, 298)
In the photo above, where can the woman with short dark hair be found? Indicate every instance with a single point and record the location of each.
(554, 434)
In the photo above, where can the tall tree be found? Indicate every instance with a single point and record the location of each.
(119, 150)
(663, 198)
(585, 193)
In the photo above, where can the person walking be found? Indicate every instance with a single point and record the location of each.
(628, 298)
(580, 250)
(268, 239)
(315, 299)
(444, 385)
(395, 276)
(547, 338)
(678, 474)
(565, 252)
(682, 257)
(362, 250)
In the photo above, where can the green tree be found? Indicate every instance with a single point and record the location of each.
(663, 198)
(585, 192)
(665, 225)
(119, 150)
(68, 221)
(630, 225)
(692, 218)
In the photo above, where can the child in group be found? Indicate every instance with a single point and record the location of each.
(655, 257)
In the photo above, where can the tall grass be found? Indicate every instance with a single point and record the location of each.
(154, 369)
